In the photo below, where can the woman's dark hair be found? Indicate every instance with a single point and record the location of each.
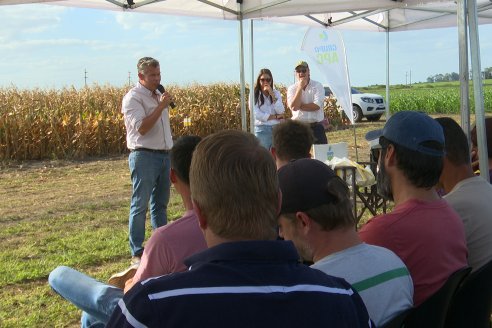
(259, 97)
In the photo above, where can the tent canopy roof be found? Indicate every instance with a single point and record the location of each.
(371, 15)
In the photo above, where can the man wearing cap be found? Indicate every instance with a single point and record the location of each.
(291, 140)
(423, 229)
(305, 99)
(468, 194)
(316, 214)
(245, 278)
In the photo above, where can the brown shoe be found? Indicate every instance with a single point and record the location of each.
(119, 279)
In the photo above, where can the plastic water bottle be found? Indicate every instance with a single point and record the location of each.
(330, 154)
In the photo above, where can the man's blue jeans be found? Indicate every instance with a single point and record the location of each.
(264, 135)
(96, 299)
(150, 182)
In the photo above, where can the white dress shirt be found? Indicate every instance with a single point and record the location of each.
(268, 108)
(139, 103)
(314, 93)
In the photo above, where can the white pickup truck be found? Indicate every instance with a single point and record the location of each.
(368, 105)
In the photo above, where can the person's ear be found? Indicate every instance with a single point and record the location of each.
(303, 222)
(202, 220)
(140, 76)
(172, 176)
(279, 206)
(273, 152)
(390, 156)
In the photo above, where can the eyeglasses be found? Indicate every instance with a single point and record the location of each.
(265, 79)
(301, 70)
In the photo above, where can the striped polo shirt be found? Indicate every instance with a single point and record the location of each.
(243, 284)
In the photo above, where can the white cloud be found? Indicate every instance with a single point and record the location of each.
(28, 19)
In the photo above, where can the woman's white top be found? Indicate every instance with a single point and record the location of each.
(268, 108)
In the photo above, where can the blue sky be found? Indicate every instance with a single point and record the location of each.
(51, 46)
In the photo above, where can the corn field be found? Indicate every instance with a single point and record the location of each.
(70, 123)
(434, 100)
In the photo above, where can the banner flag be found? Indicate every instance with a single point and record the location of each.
(326, 48)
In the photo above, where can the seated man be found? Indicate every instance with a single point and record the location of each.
(423, 229)
(469, 195)
(246, 278)
(317, 216)
(163, 254)
(474, 146)
(291, 140)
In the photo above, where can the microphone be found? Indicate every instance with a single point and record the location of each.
(162, 90)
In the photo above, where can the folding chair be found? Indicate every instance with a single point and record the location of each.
(432, 312)
(472, 303)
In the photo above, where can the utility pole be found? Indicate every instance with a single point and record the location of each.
(410, 77)
(85, 77)
(129, 79)
(406, 78)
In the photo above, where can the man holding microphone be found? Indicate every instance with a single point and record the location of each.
(305, 99)
(148, 136)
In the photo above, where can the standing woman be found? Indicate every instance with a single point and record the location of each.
(268, 108)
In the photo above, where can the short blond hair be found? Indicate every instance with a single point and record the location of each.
(234, 182)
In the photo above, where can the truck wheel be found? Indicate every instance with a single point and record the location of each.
(357, 113)
(373, 118)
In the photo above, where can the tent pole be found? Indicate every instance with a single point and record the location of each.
(252, 81)
(244, 126)
(478, 89)
(463, 57)
(387, 72)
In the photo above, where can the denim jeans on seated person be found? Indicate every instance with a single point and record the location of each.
(150, 182)
(95, 298)
(264, 135)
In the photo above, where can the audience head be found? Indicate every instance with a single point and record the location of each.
(234, 187)
(312, 194)
(456, 145)
(488, 132)
(181, 155)
(291, 140)
(417, 143)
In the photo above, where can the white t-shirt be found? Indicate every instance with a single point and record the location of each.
(472, 199)
(377, 274)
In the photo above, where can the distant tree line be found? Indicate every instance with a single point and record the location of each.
(447, 77)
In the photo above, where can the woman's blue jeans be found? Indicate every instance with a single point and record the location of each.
(264, 135)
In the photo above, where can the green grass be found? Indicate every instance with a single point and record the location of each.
(61, 213)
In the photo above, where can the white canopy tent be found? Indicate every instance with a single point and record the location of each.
(370, 15)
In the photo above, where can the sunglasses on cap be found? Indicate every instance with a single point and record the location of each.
(265, 79)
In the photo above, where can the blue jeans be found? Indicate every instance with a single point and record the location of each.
(150, 182)
(264, 135)
(96, 299)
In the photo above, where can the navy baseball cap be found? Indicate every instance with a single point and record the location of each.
(411, 130)
(304, 185)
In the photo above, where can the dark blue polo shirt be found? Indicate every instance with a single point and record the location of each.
(243, 284)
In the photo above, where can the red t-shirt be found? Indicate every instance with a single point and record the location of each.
(429, 237)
